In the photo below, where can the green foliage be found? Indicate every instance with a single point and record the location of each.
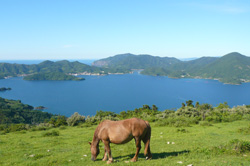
(14, 127)
(75, 119)
(50, 133)
(57, 121)
(244, 130)
(182, 131)
(232, 68)
(13, 111)
(130, 61)
(205, 123)
(235, 146)
(51, 76)
(46, 67)
(223, 105)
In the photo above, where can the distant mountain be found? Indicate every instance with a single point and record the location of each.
(131, 61)
(7, 69)
(233, 68)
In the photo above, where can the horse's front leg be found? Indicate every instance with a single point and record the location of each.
(108, 151)
(138, 148)
(105, 157)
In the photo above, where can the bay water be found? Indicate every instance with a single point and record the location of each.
(118, 93)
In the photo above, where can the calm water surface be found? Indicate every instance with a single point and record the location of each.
(121, 93)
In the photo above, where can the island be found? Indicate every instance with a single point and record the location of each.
(54, 76)
(4, 89)
(40, 108)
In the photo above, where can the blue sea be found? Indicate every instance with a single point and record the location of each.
(118, 93)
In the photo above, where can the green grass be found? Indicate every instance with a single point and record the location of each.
(192, 145)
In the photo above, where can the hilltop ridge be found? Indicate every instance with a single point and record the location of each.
(232, 68)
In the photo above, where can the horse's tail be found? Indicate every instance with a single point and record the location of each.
(147, 141)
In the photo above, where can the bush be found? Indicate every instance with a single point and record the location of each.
(14, 127)
(62, 127)
(42, 126)
(205, 123)
(75, 119)
(50, 133)
(177, 121)
(182, 131)
(245, 130)
(233, 147)
(236, 146)
(58, 121)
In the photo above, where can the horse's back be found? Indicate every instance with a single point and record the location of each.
(123, 131)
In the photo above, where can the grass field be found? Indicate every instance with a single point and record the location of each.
(169, 145)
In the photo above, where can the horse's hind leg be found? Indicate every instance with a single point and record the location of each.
(147, 149)
(138, 148)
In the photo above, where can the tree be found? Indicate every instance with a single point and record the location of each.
(60, 121)
(183, 105)
(189, 103)
(197, 104)
(145, 107)
(75, 119)
(154, 108)
(223, 105)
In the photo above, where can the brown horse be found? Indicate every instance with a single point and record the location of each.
(121, 132)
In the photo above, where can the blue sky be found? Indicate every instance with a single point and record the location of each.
(93, 29)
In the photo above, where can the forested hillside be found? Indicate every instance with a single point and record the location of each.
(232, 68)
(64, 66)
(15, 112)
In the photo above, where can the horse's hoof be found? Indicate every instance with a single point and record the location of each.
(133, 160)
(104, 159)
(109, 162)
(149, 158)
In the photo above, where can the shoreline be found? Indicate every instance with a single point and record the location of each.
(139, 72)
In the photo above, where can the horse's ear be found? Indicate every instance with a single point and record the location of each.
(90, 143)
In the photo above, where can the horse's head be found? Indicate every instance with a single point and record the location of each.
(94, 151)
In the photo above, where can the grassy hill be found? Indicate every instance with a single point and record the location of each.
(197, 135)
(196, 145)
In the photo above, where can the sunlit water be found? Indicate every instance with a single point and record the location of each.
(121, 93)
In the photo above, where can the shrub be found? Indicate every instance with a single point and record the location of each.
(62, 127)
(237, 146)
(205, 123)
(58, 121)
(15, 127)
(50, 133)
(75, 119)
(3, 126)
(245, 130)
(181, 130)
